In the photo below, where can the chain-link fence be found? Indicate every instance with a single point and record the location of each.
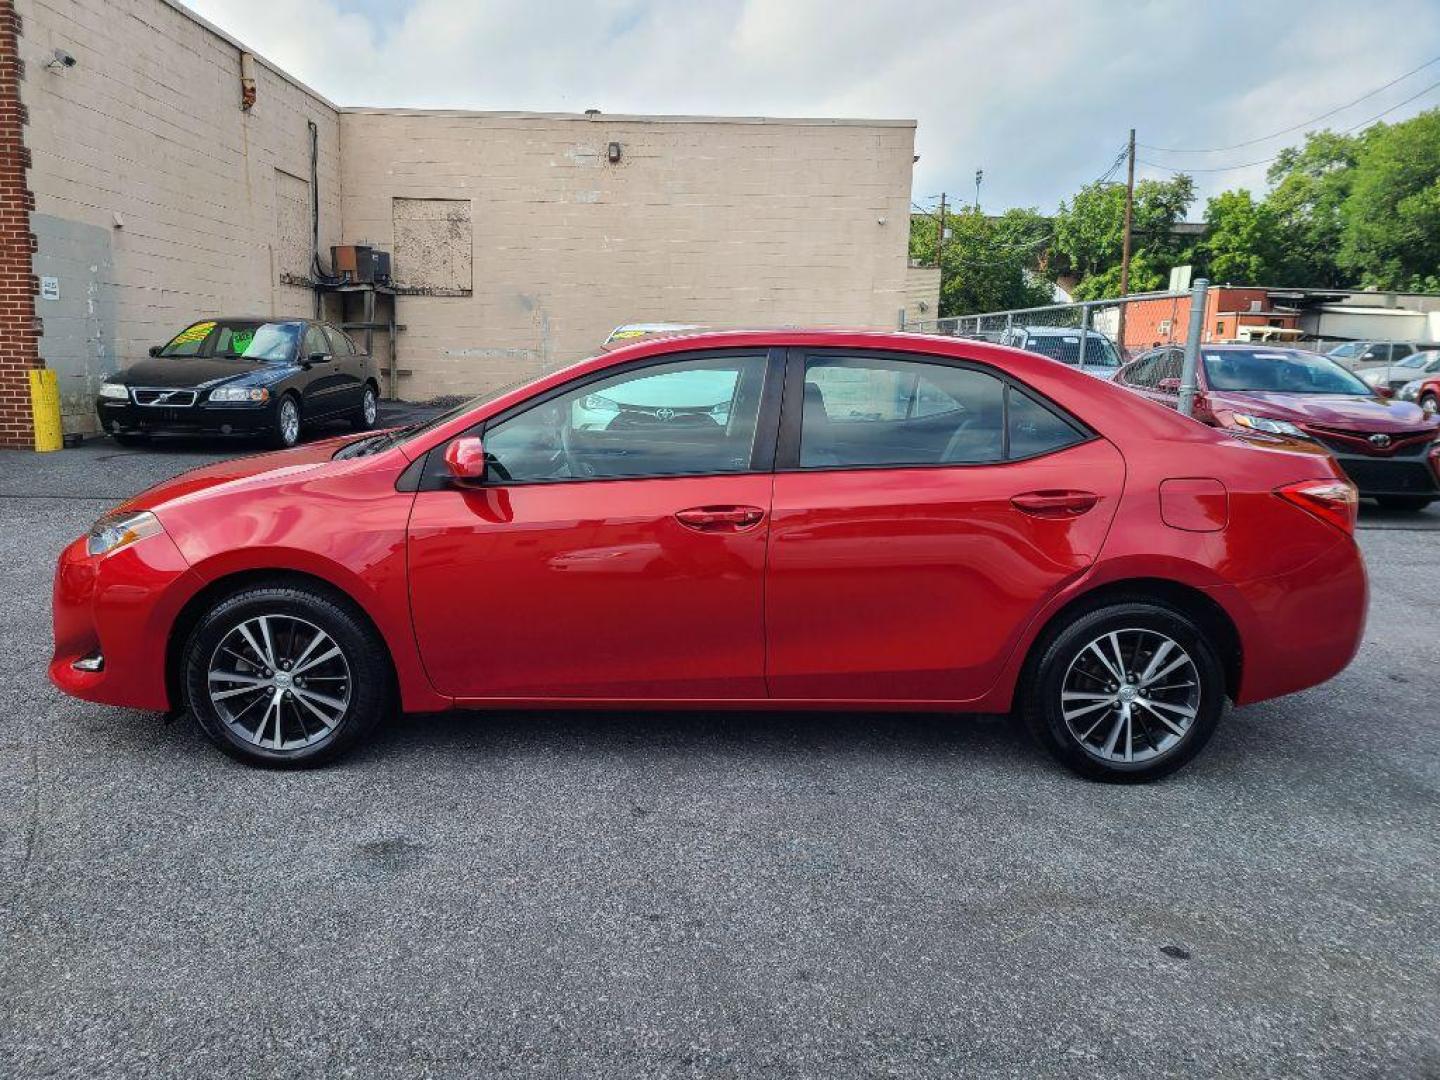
(1099, 335)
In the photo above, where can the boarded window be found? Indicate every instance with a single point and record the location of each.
(292, 228)
(433, 246)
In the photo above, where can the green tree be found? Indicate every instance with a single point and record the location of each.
(1391, 216)
(989, 263)
(1090, 229)
(1243, 241)
(1309, 185)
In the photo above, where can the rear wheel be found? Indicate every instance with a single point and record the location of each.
(1404, 502)
(286, 432)
(1430, 403)
(284, 676)
(363, 418)
(1126, 693)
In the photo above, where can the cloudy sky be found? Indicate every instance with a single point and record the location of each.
(1038, 93)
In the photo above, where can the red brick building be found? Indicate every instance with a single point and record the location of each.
(1229, 309)
(19, 335)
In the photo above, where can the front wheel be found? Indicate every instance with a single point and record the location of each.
(283, 676)
(1430, 403)
(1411, 503)
(1126, 693)
(286, 432)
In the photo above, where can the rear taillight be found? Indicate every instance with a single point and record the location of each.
(1333, 501)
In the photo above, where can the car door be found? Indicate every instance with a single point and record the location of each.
(322, 384)
(617, 547)
(924, 508)
(349, 366)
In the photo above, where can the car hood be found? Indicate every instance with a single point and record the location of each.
(1328, 410)
(237, 471)
(191, 372)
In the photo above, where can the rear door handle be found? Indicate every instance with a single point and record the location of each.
(1055, 504)
(720, 518)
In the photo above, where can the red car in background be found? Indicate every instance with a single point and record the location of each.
(1387, 447)
(778, 520)
(1424, 391)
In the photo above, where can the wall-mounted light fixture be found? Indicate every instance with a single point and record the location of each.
(61, 60)
(612, 153)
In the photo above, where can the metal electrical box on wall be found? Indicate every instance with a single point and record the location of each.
(49, 288)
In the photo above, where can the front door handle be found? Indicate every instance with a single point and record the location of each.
(1055, 504)
(720, 518)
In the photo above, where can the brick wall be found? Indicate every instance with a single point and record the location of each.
(18, 338)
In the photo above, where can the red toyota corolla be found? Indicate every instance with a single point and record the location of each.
(792, 519)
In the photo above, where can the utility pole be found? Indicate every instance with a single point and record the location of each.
(940, 236)
(1125, 241)
(979, 175)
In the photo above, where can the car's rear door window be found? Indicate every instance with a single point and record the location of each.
(685, 418)
(875, 411)
(340, 343)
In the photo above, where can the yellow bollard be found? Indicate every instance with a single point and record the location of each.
(45, 410)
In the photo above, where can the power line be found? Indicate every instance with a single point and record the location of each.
(1276, 157)
(1297, 127)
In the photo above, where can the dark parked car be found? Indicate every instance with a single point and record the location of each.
(1062, 343)
(251, 376)
(1388, 448)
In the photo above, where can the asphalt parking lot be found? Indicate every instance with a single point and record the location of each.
(713, 895)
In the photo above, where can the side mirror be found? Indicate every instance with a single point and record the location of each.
(156, 350)
(1170, 386)
(318, 358)
(465, 458)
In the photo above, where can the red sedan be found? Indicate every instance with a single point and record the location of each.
(792, 519)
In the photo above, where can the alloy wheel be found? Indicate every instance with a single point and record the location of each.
(1130, 696)
(279, 682)
(370, 406)
(289, 422)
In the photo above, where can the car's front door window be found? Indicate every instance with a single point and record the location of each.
(685, 418)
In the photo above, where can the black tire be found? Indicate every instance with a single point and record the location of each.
(284, 435)
(1430, 403)
(1410, 503)
(364, 417)
(368, 686)
(1060, 651)
(131, 440)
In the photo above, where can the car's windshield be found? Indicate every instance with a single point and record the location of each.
(1280, 371)
(1349, 349)
(1066, 348)
(236, 340)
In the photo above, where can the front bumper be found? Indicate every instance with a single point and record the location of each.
(1408, 472)
(127, 418)
(120, 607)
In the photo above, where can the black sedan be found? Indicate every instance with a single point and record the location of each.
(243, 376)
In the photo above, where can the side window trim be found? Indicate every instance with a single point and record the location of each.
(435, 476)
(787, 454)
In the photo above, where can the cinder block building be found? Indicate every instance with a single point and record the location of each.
(154, 170)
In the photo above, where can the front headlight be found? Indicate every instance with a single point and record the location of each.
(1265, 424)
(1410, 391)
(115, 391)
(248, 394)
(116, 530)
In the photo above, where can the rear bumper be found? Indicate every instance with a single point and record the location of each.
(127, 418)
(1302, 628)
(120, 607)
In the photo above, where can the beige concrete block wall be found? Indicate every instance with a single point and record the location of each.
(155, 194)
(721, 221)
(922, 294)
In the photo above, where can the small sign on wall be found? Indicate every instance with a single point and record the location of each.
(49, 288)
